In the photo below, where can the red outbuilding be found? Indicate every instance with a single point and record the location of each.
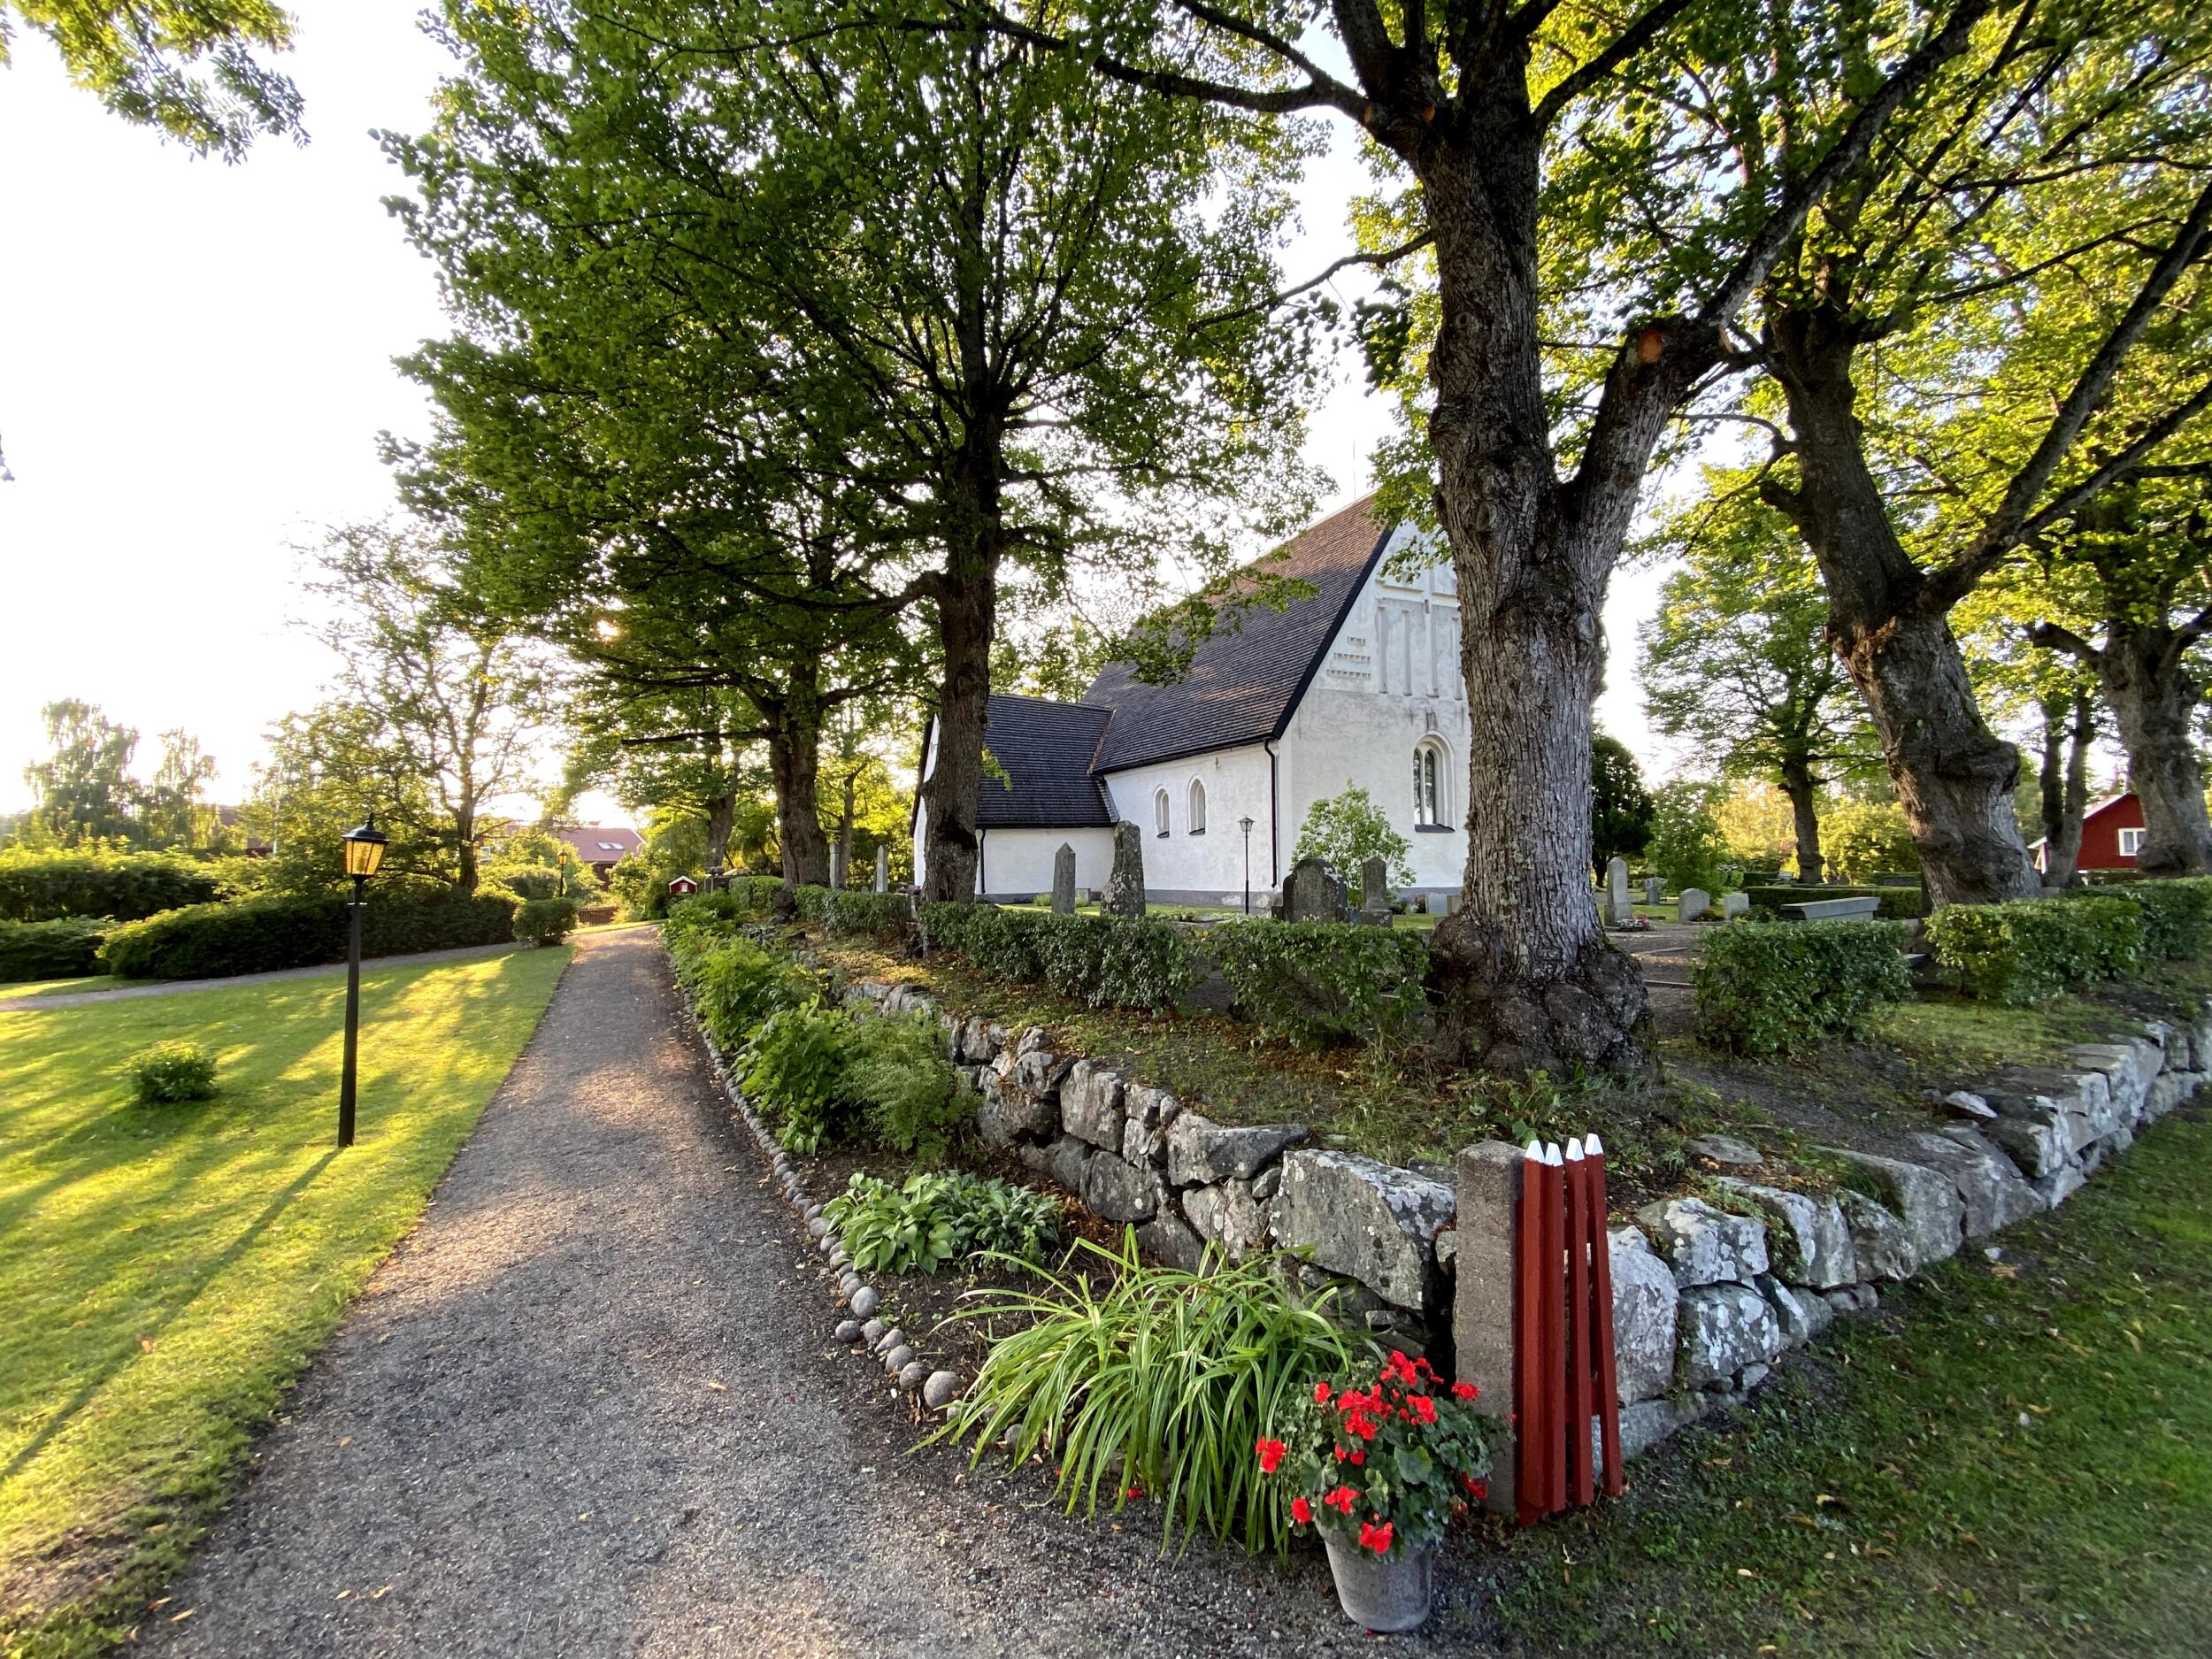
(2111, 835)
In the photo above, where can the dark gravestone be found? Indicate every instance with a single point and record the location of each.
(1124, 886)
(1063, 880)
(1311, 893)
(1374, 893)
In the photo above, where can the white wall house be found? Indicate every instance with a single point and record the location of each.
(1357, 685)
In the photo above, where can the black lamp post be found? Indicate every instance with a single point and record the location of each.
(563, 892)
(714, 877)
(1245, 823)
(364, 851)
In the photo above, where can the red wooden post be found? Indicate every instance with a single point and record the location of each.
(1527, 1341)
(1602, 1322)
(1555, 1333)
(1581, 1315)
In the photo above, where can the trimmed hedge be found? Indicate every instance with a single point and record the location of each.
(263, 935)
(1321, 982)
(1899, 904)
(545, 921)
(844, 911)
(1106, 961)
(1786, 988)
(44, 887)
(61, 950)
(2176, 913)
(2027, 949)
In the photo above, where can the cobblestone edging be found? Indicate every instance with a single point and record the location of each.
(860, 1328)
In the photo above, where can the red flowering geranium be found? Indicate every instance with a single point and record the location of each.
(1420, 1447)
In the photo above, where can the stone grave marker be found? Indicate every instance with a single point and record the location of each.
(1653, 889)
(1619, 908)
(1125, 885)
(1374, 893)
(837, 864)
(1733, 905)
(883, 868)
(1063, 880)
(1311, 893)
(1695, 902)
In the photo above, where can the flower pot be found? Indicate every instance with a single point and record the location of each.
(1380, 1592)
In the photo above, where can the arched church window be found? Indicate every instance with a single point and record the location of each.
(1159, 811)
(1431, 789)
(1197, 807)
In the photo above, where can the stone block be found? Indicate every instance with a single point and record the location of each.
(1201, 1151)
(1167, 1241)
(1923, 1199)
(1705, 1246)
(1802, 1314)
(1993, 1191)
(2060, 1184)
(1091, 1103)
(2033, 1131)
(1487, 1179)
(2128, 1067)
(1645, 1425)
(1229, 1215)
(1071, 1156)
(1011, 1113)
(1808, 1240)
(1720, 1330)
(1364, 1219)
(1146, 1115)
(1644, 1298)
(1118, 1190)
(1881, 1243)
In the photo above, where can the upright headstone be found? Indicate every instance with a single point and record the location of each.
(1618, 908)
(1125, 885)
(1653, 889)
(1063, 880)
(837, 863)
(1374, 893)
(1695, 902)
(1311, 893)
(883, 867)
(1733, 905)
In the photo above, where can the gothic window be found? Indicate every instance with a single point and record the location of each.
(1159, 811)
(1197, 807)
(1430, 798)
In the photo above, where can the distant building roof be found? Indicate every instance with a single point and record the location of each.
(1243, 686)
(1045, 751)
(599, 843)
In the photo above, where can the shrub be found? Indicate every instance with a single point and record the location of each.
(1344, 831)
(794, 1070)
(1859, 839)
(545, 921)
(910, 1095)
(735, 983)
(44, 885)
(1319, 982)
(2176, 914)
(1106, 961)
(881, 915)
(1685, 846)
(937, 1218)
(2025, 950)
(1786, 988)
(59, 949)
(1899, 904)
(262, 935)
(1136, 1378)
(175, 1070)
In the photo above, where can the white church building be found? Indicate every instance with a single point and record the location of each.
(1359, 685)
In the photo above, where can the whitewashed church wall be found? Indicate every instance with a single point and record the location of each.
(1017, 863)
(1186, 868)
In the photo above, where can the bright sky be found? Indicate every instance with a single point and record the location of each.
(197, 365)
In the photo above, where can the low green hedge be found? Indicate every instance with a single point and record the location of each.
(1786, 988)
(2025, 950)
(263, 935)
(42, 887)
(1322, 982)
(62, 948)
(842, 910)
(1899, 904)
(1106, 961)
(545, 921)
(2176, 914)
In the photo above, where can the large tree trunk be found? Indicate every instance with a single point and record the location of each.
(2069, 725)
(794, 754)
(465, 874)
(1804, 799)
(1524, 977)
(721, 814)
(2154, 699)
(1953, 777)
(966, 610)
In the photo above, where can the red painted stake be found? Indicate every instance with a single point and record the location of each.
(1581, 1315)
(1555, 1333)
(1528, 1302)
(1602, 1323)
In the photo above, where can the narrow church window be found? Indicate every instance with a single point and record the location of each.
(1159, 811)
(1197, 807)
(1428, 795)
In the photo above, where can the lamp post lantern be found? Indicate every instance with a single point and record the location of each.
(565, 858)
(364, 851)
(1245, 823)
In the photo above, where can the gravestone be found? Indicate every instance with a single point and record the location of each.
(1125, 885)
(1374, 893)
(1063, 880)
(1733, 905)
(837, 864)
(1311, 893)
(883, 868)
(1618, 908)
(1695, 902)
(1653, 889)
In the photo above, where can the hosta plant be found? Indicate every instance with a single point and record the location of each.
(935, 1218)
(1387, 1463)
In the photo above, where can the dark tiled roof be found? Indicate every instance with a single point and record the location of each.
(1045, 751)
(1242, 687)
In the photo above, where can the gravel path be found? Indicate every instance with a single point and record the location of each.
(591, 1408)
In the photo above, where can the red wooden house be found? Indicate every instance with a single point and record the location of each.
(2111, 835)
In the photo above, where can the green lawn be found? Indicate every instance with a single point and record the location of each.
(166, 1271)
(54, 987)
(2014, 1459)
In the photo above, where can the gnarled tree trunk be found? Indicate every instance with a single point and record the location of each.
(2069, 726)
(1954, 776)
(721, 814)
(794, 746)
(2154, 698)
(1803, 793)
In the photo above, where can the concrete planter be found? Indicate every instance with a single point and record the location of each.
(1381, 1593)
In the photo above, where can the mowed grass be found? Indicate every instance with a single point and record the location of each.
(166, 1271)
(2013, 1458)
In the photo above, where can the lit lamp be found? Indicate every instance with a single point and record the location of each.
(564, 862)
(1245, 823)
(364, 851)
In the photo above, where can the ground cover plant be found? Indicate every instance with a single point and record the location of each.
(937, 1216)
(166, 1272)
(177, 1070)
(2012, 1459)
(1154, 1382)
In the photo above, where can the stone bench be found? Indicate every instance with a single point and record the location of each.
(1864, 908)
